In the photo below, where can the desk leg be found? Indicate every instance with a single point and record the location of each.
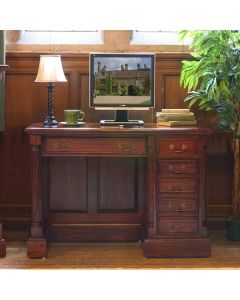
(36, 245)
(2, 244)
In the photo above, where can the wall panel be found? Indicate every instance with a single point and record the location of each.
(172, 92)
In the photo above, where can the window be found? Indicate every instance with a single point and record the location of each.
(57, 37)
(156, 38)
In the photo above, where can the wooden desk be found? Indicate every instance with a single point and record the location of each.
(120, 184)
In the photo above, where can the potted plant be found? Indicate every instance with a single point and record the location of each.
(212, 80)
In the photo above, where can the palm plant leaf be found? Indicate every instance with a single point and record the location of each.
(212, 80)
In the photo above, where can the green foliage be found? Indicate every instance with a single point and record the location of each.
(109, 85)
(212, 78)
(123, 91)
(137, 90)
(147, 86)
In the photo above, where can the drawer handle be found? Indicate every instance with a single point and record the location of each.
(174, 209)
(177, 210)
(176, 170)
(183, 226)
(176, 189)
(63, 148)
(172, 147)
(125, 147)
(177, 226)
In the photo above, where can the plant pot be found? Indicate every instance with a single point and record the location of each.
(233, 230)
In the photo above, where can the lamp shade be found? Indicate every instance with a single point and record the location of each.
(50, 69)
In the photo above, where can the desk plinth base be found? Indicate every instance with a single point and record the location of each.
(182, 247)
(2, 248)
(36, 248)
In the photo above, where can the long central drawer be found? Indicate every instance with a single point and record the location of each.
(94, 146)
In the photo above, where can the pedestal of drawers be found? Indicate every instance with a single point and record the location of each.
(178, 229)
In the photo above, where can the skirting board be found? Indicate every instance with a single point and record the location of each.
(195, 247)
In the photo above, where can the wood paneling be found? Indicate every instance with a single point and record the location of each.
(90, 193)
(173, 94)
(218, 185)
(74, 185)
(26, 102)
(115, 194)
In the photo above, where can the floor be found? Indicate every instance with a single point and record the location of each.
(98, 256)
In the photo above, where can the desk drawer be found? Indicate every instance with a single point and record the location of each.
(173, 167)
(177, 205)
(94, 146)
(177, 147)
(175, 225)
(177, 186)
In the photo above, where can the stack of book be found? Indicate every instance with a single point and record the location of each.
(175, 117)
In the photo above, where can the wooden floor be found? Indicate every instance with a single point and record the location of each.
(225, 255)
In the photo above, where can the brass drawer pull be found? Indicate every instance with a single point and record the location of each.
(63, 148)
(172, 147)
(125, 147)
(177, 226)
(176, 189)
(177, 210)
(176, 169)
(183, 226)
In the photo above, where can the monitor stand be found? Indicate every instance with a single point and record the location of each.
(121, 119)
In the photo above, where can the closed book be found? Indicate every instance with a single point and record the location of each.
(176, 110)
(175, 117)
(161, 113)
(177, 123)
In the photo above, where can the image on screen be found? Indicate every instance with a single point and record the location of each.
(122, 80)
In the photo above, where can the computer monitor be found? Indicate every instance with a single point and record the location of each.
(122, 82)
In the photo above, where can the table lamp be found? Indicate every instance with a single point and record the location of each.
(50, 70)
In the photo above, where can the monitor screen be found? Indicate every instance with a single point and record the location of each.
(122, 80)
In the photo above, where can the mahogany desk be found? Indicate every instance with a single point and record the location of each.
(120, 184)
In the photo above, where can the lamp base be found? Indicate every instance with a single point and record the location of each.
(50, 121)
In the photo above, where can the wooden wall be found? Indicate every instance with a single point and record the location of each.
(26, 102)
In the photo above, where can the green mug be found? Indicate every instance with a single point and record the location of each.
(73, 116)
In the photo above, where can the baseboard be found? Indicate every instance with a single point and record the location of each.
(177, 247)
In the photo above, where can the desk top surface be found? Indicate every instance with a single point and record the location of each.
(95, 128)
